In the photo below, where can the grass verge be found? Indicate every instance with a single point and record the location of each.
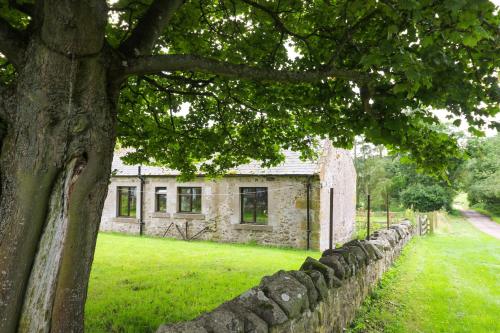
(136, 283)
(446, 282)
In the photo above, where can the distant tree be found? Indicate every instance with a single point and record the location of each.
(373, 177)
(406, 185)
(396, 174)
(77, 75)
(482, 173)
(425, 198)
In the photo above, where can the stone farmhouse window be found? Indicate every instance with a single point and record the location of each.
(127, 201)
(161, 199)
(254, 205)
(189, 199)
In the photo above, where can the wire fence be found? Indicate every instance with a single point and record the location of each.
(425, 223)
(378, 220)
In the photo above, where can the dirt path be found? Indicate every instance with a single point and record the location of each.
(483, 223)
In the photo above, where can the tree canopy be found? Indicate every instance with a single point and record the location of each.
(482, 173)
(259, 76)
(406, 185)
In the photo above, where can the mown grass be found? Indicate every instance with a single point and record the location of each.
(446, 282)
(136, 283)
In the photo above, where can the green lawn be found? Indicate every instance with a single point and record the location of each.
(137, 283)
(448, 282)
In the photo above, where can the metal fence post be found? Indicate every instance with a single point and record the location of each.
(368, 218)
(387, 209)
(331, 219)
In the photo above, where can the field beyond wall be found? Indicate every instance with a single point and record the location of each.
(446, 282)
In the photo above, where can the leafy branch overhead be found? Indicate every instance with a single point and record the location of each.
(257, 76)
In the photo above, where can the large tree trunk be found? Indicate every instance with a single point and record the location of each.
(55, 162)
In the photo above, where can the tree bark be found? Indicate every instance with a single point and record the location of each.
(55, 163)
(184, 62)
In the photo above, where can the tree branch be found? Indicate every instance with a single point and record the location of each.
(277, 21)
(280, 26)
(366, 95)
(169, 90)
(150, 27)
(180, 62)
(12, 43)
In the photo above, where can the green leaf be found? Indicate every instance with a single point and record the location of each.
(391, 31)
(470, 40)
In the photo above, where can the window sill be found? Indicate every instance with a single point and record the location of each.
(189, 216)
(160, 215)
(253, 227)
(125, 220)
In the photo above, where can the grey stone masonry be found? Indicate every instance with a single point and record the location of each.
(298, 202)
(322, 296)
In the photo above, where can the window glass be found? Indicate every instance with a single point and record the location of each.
(196, 208)
(161, 199)
(132, 202)
(185, 203)
(122, 201)
(254, 205)
(185, 190)
(189, 199)
(261, 206)
(126, 201)
(248, 204)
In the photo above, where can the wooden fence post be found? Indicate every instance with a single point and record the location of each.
(433, 220)
(419, 224)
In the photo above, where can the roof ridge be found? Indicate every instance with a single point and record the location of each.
(292, 165)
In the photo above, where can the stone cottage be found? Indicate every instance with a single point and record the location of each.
(302, 204)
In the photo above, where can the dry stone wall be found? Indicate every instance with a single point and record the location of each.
(322, 296)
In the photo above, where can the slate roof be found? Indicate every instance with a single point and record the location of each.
(292, 165)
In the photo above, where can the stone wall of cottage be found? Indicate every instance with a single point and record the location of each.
(109, 219)
(337, 172)
(220, 218)
(323, 296)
